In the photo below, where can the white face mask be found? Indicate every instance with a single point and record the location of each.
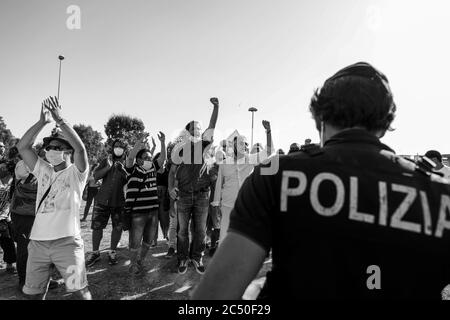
(147, 165)
(21, 171)
(55, 157)
(118, 152)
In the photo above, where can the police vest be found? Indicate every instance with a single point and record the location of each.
(353, 223)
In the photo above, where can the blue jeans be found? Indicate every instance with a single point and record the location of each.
(195, 206)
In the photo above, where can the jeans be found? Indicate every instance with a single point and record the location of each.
(195, 206)
(22, 228)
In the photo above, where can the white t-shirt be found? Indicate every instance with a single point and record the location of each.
(58, 216)
(446, 171)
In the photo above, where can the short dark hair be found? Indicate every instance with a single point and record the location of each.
(352, 100)
(141, 153)
(190, 125)
(434, 154)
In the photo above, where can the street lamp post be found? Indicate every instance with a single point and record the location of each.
(61, 58)
(252, 110)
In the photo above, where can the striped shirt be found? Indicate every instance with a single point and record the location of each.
(141, 190)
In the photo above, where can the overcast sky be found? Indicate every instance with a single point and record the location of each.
(161, 60)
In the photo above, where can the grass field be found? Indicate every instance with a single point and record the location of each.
(160, 281)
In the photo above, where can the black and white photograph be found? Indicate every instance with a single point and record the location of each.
(227, 156)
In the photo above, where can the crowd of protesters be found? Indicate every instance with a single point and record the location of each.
(189, 189)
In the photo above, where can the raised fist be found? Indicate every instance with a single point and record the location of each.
(266, 125)
(214, 101)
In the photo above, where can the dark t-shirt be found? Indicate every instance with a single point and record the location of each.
(162, 179)
(111, 192)
(333, 216)
(190, 176)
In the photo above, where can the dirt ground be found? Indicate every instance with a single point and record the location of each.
(160, 281)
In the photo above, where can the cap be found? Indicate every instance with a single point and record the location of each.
(58, 135)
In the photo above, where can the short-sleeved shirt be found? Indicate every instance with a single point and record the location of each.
(141, 189)
(58, 216)
(111, 192)
(334, 215)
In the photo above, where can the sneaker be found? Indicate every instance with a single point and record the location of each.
(182, 267)
(199, 267)
(112, 257)
(92, 258)
(170, 253)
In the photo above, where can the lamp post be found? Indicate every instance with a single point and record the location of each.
(61, 58)
(252, 110)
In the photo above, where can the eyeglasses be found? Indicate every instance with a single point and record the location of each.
(56, 148)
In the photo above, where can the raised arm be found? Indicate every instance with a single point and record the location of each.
(209, 132)
(25, 145)
(152, 151)
(266, 125)
(140, 144)
(163, 155)
(79, 155)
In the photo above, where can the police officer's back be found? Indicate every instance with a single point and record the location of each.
(349, 220)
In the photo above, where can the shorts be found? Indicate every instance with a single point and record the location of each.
(101, 214)
(67, 254)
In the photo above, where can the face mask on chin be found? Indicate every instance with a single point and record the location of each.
(118, 152)
(55, 157)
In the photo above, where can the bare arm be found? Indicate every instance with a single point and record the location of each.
(25, 145)
(213, 121)
(266, 125)
(140, 143)
(80, 154)
(163, 155)
(233, 267)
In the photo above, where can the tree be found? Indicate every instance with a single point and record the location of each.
(5, 134)
(123, 127)
(92, 140)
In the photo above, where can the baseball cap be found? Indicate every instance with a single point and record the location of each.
(58, 136)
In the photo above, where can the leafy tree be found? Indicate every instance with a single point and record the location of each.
(92, 140)
(123, 127)
(5, 134)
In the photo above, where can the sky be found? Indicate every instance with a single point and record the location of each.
(162, 60)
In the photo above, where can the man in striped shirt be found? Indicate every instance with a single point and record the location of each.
(142, 199)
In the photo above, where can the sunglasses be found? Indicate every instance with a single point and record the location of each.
(56, 148)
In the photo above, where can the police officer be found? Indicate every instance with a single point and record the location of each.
(345, 220)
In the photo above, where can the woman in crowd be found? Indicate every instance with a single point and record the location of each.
(141, 199)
